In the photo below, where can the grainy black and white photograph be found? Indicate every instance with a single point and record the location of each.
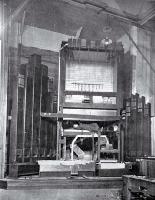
(77, 99)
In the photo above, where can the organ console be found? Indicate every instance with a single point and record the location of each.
(89, 89)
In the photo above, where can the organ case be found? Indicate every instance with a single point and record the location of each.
(90, 87)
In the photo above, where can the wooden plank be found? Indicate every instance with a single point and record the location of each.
(29, 113)
(137, 132)
(122, 141)
(55, 103)
(43, 138)
(91, 106)
(104, 94)
(44, 105)
(119, 143)
(147, 130)
(36, 62)
(128, 129)
(62, 183)
(80, 117)
(63, 58)
(24, 119)
(54, 139)
(51, 125)
(140, 127)
(44, 86)
(90, 117)
(109, 49)
(13, 130)
(52, 115)
(22, 79)
(3, 88)
(133, 129)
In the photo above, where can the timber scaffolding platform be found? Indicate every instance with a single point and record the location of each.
(36, 182)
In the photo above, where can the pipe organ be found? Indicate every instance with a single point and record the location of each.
(90, 91)
(31, 137)
(78, 122)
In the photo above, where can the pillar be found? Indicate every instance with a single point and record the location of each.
(3, 89)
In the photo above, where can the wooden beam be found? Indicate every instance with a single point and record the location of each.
(3, 91)
(100, 106)
(149, 15)
(103, 8)
(80, 117)
(103, 94)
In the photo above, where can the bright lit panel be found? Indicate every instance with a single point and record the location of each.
(88, 76)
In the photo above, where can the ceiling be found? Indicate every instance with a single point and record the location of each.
(67, 16)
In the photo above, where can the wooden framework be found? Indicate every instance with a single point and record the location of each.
(3, 88)
(69, 110)
(137, 123)
(31, 137)
(38, 114)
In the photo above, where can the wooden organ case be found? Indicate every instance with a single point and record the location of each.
(31, 138)
(90, 92)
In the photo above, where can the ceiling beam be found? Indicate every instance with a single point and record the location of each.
(104, 9)
(149, 15)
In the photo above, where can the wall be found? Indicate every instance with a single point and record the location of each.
(36, 37)
(143, 77)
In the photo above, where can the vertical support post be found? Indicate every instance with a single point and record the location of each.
(64, 148)
(31, 141)
(98, 147)
(126, 138)
(3, 89)
(119, 149)
(24, 117)
(29, 113)
(137, 127)
(58, 108)
(40, 104)
(13, 171)
(122, 143)
(128, 129)
(143, 125)
(36, 104)
(58, 148)
(93, 148)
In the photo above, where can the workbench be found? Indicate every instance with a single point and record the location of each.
(138, 187)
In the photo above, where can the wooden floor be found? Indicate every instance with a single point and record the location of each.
(61, 194)
(60, 188)
(36, 182)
